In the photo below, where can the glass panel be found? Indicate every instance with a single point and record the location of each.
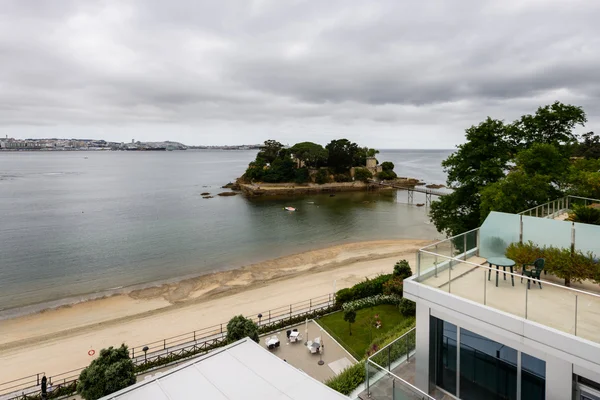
(547, 232)
(586, 238)
(437, 274)
(385, 386)
(497, 232)
(488, 369)
(533, 378)
(443, 346)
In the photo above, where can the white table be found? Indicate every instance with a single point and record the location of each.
(294, 336)
(272, 341)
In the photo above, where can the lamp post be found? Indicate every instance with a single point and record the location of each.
(145, 350)
(321, 347)
(259, 318)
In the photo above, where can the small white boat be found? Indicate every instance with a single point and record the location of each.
(289, 208)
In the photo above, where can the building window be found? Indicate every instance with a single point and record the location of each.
(488, 369)
(443, 344)
(533, 378)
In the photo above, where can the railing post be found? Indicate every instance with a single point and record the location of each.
(407, 349)
(133, 352)
(536, 211)
(449, 275)
(367, 375)
(269, 316)
(575, 315)
(309, 305)
(38, 379)
(484, 287)
(435, 260)
(477, 242)
(520, 229)
(290, 312)
(527, 296)
(389, 359)
(194, 336)
(164, 344)
(221, 331)
(418, 265)
(465, 246)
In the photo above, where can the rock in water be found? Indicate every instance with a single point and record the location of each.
(204, 194)
(227, 194)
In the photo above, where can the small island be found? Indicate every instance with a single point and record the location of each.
(308, 167)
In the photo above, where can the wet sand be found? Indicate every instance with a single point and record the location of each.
(58, 340)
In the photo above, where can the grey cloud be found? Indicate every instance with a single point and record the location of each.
(322, 67)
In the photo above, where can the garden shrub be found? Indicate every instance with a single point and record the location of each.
(585, 215)
(240, 327)
(344, 295)
(322, 176)
(402, 269)
(407, 307)
(302, 175)
(386, 175)
(524, 253)
(349, 379)
(362, 174)
(371, 302)
(342, 178)
(394, 286)
(112, 371)
(370, 287)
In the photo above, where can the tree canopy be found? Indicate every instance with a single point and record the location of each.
(240, 327)
(113, 370)
(512, 167)
(313, 155)
(343, 155)
(269, 151)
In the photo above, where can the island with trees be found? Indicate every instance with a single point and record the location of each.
(308, 167)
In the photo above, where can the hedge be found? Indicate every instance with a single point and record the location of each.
(349, 379)
(366, 288)
(563, 263)
(371, 301)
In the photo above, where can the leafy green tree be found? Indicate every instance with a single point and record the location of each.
(343, 155)
(515, 193)
(544, 159)
(350, 318)
(585, 215)
(313, 155)
(113, 370)
(387, 166)
(589, 147)
(270, 150)
(584, 178)
(551, 124)
(240, 327)
(302, 175)
(362, 174)
(280, 170)
(255, 170)
(482, 160)
(387, 175)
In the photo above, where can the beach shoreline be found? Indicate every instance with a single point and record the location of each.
(57, 340)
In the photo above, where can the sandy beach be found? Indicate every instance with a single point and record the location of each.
(56, 341)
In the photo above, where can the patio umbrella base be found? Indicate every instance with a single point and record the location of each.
(321, 362)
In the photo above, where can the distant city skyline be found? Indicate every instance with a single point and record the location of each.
(382, 73)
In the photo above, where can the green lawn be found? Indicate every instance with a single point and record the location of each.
(363, 333)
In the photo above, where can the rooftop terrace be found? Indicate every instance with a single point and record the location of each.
(458, 266)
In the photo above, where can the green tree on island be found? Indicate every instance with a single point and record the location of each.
(269, 151)
(112, 371)
(240, 327)
(313, 155)
(343, 155)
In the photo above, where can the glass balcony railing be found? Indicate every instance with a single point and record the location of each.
(390, 371)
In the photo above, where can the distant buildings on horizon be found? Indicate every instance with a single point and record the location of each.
(54, 144)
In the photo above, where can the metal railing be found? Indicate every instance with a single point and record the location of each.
(384, 367)
(174, 349)
(553, 209)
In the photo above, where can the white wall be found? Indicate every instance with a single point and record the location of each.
(563, 353)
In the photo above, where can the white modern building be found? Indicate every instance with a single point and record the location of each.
(480, 335)
(243, 370)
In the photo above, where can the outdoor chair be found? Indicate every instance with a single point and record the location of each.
(288, 333)
(277, 344)
(295, 330)
(538, 267)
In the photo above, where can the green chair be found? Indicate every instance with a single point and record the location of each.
(538, 267)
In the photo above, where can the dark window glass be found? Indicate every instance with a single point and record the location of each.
(443, 345)
(488, 369)
(533, 378)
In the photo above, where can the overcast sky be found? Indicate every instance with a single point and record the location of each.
(388, 74)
